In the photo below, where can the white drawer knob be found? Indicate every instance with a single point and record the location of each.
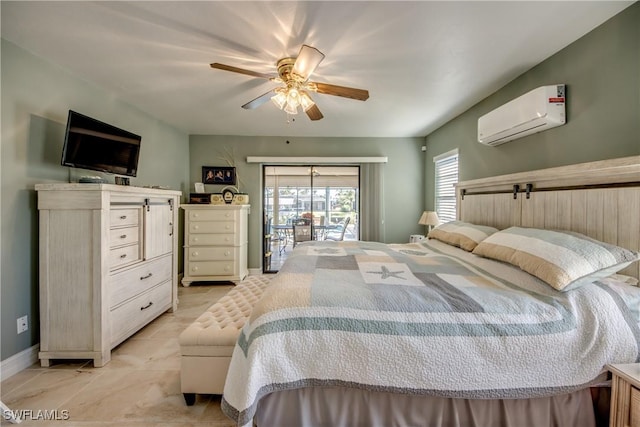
(227, 215)
(227, 253)
(195, 227)
(226, 239)
(227, 268)
(228, 227)
(194, 268)
(195, 253)
(195, 215)
(195, 239)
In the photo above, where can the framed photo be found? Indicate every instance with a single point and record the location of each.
(219, 175)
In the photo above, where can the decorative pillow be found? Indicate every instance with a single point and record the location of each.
(563, 259)
(461, 234)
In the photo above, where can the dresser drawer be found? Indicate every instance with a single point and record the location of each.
(124, 217)
(127, 284)
(211, 268)
(634, 416)
(213, 254)
(119, 257)
(211, 215)
(213, 239)
(212, 227)
(132, 315)
(124, 236)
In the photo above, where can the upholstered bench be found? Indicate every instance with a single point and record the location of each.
(207, 344)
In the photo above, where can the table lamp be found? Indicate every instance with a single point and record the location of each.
(429, 218)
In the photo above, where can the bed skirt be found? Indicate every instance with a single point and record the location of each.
(337, 407)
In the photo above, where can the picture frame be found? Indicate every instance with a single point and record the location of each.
(199, 187)
(222, 175)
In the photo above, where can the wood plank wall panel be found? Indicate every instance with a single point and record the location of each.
(496, 210)
(628, 220)
(508, 211)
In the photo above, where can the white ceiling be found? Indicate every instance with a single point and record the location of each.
(422, 62)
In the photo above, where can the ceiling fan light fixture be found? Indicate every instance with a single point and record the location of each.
(294, 85)
(290, 109)
(305, 101)
(293, 97)
(280, 98)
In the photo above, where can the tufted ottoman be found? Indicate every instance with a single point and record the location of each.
(207, 344)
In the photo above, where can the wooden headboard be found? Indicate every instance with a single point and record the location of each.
(600, 199)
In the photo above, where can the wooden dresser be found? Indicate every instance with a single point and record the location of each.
(108, 266)
(625, 395)
(215, 242)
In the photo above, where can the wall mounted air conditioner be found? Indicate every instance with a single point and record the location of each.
(535, 111)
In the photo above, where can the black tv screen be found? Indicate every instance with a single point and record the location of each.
(95, 145)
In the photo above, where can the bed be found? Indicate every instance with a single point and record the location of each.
(431, 333)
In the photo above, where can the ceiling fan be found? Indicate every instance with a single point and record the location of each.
(293, 74)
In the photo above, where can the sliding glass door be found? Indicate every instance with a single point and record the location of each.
(325, 197)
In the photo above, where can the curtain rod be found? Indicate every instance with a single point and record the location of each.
(315, 160)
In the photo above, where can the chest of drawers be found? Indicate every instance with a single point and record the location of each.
(108, 266)
(216, 239)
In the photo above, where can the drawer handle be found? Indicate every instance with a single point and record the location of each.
(227, 214)
(195, 227)
(194, 268)
(123, 256)
(195, 239)
(146, 277)
(227, 253)
(227, 268)
(195, 253)
(123, 236)
(146, 306)
(228, 227)
(123, 217)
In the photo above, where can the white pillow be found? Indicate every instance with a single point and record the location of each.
(461, 234)
(563, 259)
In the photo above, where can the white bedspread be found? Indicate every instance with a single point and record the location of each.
(426, 319)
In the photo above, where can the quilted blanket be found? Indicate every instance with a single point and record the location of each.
(426, 318)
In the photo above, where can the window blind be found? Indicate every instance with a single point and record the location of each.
(446, 178)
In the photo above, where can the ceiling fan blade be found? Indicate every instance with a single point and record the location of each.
(307, 61)
(241, 71)
(255, 103)
(314, 113)
(346, 92)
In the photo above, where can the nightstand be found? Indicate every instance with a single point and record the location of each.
(625, 395)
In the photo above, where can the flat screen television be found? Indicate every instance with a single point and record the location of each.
(95, 145)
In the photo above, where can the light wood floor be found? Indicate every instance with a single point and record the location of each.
(140, 387)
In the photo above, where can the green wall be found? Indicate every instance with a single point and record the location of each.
(602, 74)
(36, 97)
(403, 174)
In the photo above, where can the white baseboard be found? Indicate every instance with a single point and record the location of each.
(18, 362)
(255, 271)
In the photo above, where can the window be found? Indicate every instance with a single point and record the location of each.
(446, 178)
(324, 195)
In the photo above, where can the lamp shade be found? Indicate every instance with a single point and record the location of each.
(429, 218)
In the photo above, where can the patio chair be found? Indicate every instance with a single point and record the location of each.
(301, 233)
(339, 236)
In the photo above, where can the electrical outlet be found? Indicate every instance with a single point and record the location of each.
(23, 324)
